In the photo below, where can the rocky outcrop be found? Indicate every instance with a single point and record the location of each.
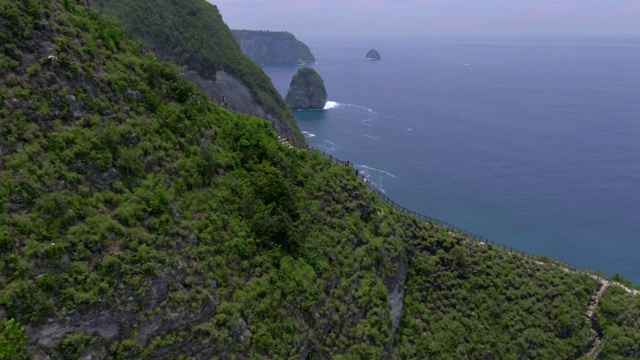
(234, 95)
(373, 54)
(215, 62)
(271, 47)
(307, 91)
(396, 289)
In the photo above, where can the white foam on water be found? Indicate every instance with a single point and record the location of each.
(368, 177)
(308, 134)
(334, 104)
(331, 105)
(367, 109)
(328, 146)
(374, 169)
(372, 137)
(367, 121)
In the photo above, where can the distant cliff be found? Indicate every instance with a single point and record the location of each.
(307, 91)
(192, 34)
(273, 47)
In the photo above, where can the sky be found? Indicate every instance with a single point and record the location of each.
(433, 17)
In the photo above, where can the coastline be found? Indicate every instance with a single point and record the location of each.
(527, 161)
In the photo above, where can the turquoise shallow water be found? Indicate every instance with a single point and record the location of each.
(530, 142)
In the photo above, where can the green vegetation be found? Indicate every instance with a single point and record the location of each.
(191, 33)
(13, 340)
(273, 47)
(140, 220)
(476, 302)
(306, 90)
(619, 318)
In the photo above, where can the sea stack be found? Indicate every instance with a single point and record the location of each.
(307, 91)
(373, 55)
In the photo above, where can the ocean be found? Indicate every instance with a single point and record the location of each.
(531, 142)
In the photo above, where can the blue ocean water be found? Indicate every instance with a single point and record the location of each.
(531, 142)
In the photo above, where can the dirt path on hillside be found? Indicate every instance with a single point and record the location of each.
(597, 341)
(599, 338)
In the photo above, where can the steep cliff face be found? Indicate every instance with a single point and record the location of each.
(230, 93)
(306, 91)
(274, 47)
(192, 33)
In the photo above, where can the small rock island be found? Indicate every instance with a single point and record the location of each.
(307, 91)
(373, 54)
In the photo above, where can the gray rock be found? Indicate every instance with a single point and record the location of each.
(307, 91)
(373, 55)
(241, 332)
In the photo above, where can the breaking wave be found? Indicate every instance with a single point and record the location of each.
(374, 169)
(331, 105)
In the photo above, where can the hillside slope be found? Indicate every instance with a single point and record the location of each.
(140, 220)
(273, 47)
(191, 33)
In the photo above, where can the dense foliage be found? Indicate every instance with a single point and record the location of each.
(13, 340)
(273, 47)
(619, 318)
(192, 33)
(475, 303)
(140, 220)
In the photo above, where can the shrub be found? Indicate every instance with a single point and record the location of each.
(13, 340)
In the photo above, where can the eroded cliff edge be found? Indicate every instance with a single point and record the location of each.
(192, 34)
(274, 47)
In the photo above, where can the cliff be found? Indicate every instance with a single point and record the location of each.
(191, 33)
(273, 47)
(306, 91)
(139, 220)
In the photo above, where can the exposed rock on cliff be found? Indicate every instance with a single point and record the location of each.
(307, 91)
(373, 55)
(229, 92)
(192, 34)
(273, 47)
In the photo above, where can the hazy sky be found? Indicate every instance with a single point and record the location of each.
(433, 17)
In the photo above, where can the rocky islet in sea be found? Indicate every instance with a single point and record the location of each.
(306, 91)
(373, 54)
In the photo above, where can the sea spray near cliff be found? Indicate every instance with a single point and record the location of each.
(331, 105)
(533, 144)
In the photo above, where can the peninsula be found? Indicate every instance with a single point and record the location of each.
(273, 47)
